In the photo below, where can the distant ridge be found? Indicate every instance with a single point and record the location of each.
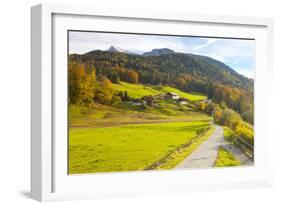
(158, 52)
(170, 65)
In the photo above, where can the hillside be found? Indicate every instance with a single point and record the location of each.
(140, 90)
(185, 72)
(167, 67)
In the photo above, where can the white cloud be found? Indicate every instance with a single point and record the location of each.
(82, 42)
(208, 42)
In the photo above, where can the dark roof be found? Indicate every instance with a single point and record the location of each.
(172, 93)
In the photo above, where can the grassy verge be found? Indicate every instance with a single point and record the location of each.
(128, 147)
(243, 138)
(225, 158)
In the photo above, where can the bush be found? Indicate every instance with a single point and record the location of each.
(116, 99)
(248, 116)
(230, 118)
(246, 133)
(217, 112)
(228, 134)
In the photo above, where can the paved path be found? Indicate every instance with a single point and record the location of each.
(206, 154)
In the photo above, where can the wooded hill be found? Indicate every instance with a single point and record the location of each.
(187, 72)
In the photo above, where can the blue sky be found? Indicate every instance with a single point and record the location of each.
(238, 54)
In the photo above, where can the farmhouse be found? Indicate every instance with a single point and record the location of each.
(183, 101)
(172, 95)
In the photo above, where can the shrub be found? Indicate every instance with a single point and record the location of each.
(230, 118)
(248, 116)
(246, 133)
(116, 99)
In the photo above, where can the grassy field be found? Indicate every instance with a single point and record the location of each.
(178, 155)
(127, 147)
(126, 137)
(225, 158)
(189, 96)
(139, 90)
(135, 90)
(103, 116)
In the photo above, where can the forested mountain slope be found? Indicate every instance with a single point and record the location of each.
(187, 72)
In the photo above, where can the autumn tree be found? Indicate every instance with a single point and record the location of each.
(248, 116)
(202, 106)
(133, 77)
(104, 91)
(230, 118)
(180, 82)
(217, 114)
(81, 84)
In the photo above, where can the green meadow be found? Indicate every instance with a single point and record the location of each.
(139, 90)
(127, 147)
(124, 137)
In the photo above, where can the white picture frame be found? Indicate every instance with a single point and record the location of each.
(49, 179)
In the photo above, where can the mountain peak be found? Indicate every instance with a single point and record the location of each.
(116, 49)
(112, 49)
(158, 52)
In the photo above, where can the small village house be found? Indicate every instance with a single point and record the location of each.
(183, 101)
(172, 95)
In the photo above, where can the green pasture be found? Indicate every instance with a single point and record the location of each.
(126, 137)
(177, 156)
(135, 90)
(189, 96)
(125, 113)
(127, 147)
(139, 90)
